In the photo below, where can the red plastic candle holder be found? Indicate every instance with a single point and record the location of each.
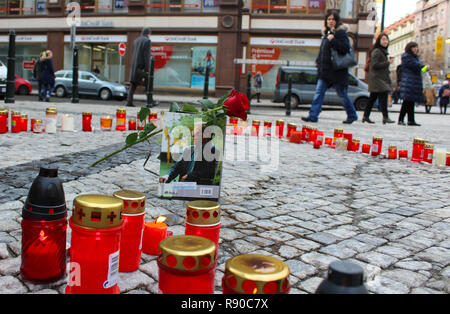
(16, 122)
(132, 125)
(305, 133)
(402, 154)
(255, 127)
(255, 274)
(366, 149)
(121, 118)
(279, 128)
(154, 233)
(317, 144)
(203, 220)
(377, 145)
(338, 133)
(4, 113)
(349, 137)
(296, 137)
(355, 145)
(328, 141)
(187, 265)
(291, 127)
(96, 226)
(418, 150)
(87, 122)
(133, 229)
(320, 136)
(267, 128)
(428, 153)
(24, 123)
(392, 152)
(447, 160)
(153, 117)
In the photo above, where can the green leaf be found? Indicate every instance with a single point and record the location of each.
(131, 139)
(174, 107)
(190, 108)
(148, 128)
(206, 104)
(144, 113)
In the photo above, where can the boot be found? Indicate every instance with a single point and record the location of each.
(387, 120)
(367, 120)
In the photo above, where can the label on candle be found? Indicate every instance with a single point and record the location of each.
(375, 148)
(113, 271)
(121, 122)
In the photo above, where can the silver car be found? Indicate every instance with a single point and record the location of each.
(88, 84)
(304, 82)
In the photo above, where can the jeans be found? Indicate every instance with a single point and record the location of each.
(321, 88)
(48, 90)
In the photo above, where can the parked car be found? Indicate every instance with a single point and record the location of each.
(23, 87)
(3, 73)
(88, 84)
(304, 82)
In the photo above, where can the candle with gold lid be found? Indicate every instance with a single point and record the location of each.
(255, 274)
(255, 127)
(87, 121)
(203, 219)
(132, 124)
(38, 126)
(338, 133)
(355, 145)
(279, 128)
(392, 152)
(187, 265)
(267, 128)
(133, 229)
(377, 145)
(4, 115)
(121, 118)
(15, 122)
(428, 153)
(291, 127)
(51, 117)
(24, 122)
(418, 150)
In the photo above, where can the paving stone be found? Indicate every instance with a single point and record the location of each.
(311, 284)
(385, 285)
(11, 285)
(133, 280)
(378, 259)
(319, 260)
(409, 278)
(435, 255)
(300, 269)
(322, 237)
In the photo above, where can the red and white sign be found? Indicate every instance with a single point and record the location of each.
(29, 65)
(162, 55)
(122, 49)
(267, 53)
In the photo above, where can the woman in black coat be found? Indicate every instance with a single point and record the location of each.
(334, 36)
(47, 75)
(379, 78)
(411, 86)
(444, 100)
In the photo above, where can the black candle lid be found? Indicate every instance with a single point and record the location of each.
(344, 273)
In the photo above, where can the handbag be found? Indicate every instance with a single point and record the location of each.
(340, 61)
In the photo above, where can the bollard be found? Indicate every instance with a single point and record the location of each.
(206, 86)
(75, 98)
(249, 90)
(288, 98)
(149, 87)
(11, 78)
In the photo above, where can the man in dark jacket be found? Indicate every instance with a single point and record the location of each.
(140, 63)
(37, 75)
(443, 99)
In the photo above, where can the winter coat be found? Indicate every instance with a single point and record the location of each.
(37, 70)
(141, 56)
(47, 73)
(378, 77)
(258, 81)
(411, 86)
(443, 100)
(341, 43)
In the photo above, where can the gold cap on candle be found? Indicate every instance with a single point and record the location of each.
(392, 147)
(256, 122)
(97, 211)
(419, 141)
(51, 110)
(267, 122)
(377, 138)
(16, 113)
(355, 140)
(203, 213)
(338, 131)
(429, 146)
(256, 274)
(313, 128)
(37, 121)
(187, 253)
(133, 201)
(24, 116)
(121, 110)
(153, 113)
(87, 113)
(293, 125)
(280, 121)
(4, 112)
(132, 119)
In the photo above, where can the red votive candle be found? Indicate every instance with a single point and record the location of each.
(187, 265)
(87, 121)
(16, 122)
(338, 133)
(255, 127)
(328, 141)
(402, 154)
(428, 154)
(296, 137)
(267, 128)
(366, 148)
(317, 144)
(291, 127)
(312, 134)
(392, 152)
(24, 123)
(234, 120)
(355, 145)
(320, 137)
(203, 220)
(418, 150)
(255, 274)
(305, 132)
(279, 128)
(377, 145)
(121, 118)
(154, 233)
(140, 124)
(133, 229)
(96, 226)
(447, 162)
(132, 124)
(153, 116)
(4, 113)
(349, 137)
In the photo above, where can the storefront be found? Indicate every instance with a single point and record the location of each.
(301, 51)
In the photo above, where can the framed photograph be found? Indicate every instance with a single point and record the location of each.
(191, 157)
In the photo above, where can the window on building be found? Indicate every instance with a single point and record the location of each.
(348, 9)
(289, 6)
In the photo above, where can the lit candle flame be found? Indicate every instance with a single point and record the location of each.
(160, 219)
(255, 290)
(42, 236)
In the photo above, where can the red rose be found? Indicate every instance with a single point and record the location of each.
(237, 105)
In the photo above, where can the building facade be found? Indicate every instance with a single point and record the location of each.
(186, 36)
(432, 32)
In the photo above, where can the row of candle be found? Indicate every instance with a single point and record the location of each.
(19, 122)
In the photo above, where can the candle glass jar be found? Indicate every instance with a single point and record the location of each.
(377, 144)
(255, 127)
(96, 226)
(355, 145)
(320, 135)
(121, 118)
(338, 133)
(38, 126)
(4, 113)
(418, 150)
(187, 265)
(328, 141)
(428, 153)
(44, 225)
(203, 220)
(279, 128)
(402, 154)
(349, 137)
(106, 123)
(51, 117)
(15, 122)
(392, 152)
(132, 124)
(291, 127)
(133, 229)
(296, 137)
(305, 132)
(255, 274)
(152, 118)
(312, 134)
(366, 149)
(140, 124)
(267, 128)
(87, 121)
(317, 144)
(447, 160)
(24, 123)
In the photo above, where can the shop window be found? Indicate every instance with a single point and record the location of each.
(104, 6)
(25, 52)
(278, 6)
(299, 6)
(288, 6)
(347, 9)
(14, 7)
(260, 6)
(174, 5)
(41, 8)
(155, 6)
(192, 5)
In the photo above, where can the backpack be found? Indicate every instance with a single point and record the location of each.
(446, 93)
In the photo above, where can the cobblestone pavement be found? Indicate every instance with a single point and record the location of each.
(316, 206)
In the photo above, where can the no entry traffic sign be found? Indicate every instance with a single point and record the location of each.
(122, 49)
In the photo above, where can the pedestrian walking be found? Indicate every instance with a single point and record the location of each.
(428, 90)
(37, 74)
(140, 63)
(258, 80)
(411, 86)
(380, 84)
(48, 75)
(334, 37)
(444, 95)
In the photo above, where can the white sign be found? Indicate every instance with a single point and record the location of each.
(295, 42)
(26, 39)
(97, 38)
(184, 39)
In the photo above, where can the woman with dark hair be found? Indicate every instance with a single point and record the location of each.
(378, 78)
(411, 87)
(334, 36)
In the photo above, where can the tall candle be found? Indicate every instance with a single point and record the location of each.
(349, 137)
